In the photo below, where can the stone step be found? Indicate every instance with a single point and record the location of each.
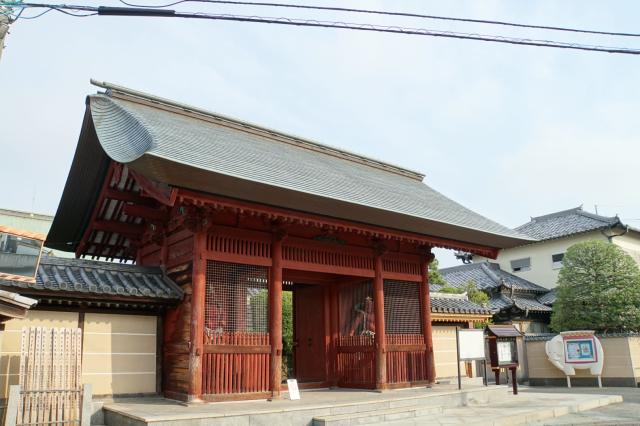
(376, 416)
(524, 412)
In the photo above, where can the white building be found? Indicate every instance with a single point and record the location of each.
(540, 262)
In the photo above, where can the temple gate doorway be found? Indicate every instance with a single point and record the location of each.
(309, 342)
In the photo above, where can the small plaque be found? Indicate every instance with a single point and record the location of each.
(294, 393)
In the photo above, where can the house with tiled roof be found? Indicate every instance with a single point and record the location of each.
(512, 299)
(540, 261)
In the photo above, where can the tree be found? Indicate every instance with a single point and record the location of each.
(434, 274)
(598, 289)
(476, 295)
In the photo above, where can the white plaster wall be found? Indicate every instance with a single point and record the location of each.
(630, 243)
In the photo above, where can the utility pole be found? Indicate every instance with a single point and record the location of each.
(4, 29)
(5, 20)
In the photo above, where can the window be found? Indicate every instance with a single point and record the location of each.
(556, 260)
(520, 265)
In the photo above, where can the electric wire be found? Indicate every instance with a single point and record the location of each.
(148, 12)
(388, 13)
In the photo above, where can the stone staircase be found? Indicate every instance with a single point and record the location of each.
(479, 406)
(514, 410)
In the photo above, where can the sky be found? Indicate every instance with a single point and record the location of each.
(508, 131)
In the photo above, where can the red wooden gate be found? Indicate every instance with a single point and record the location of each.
(406, 360)
(236, 342)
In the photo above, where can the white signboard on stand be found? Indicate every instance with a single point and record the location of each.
(294, 393)
(470, 347)
(471, 344)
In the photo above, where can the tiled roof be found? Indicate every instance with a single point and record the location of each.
(77, 278)
(190, 148)
(487, 276)
(455, 304)
(529, 303)
(548, 298)
(564, 223)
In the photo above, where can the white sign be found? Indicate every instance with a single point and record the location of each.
(294, 393)
(471, 344)
(505, 352)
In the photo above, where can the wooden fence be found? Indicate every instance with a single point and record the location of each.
(356, 362)
(236, 363)
(406, 361)
(50, 390)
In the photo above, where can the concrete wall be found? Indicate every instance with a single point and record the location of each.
(542, 271)
(119, 351)
(445, 353)
(621, 364)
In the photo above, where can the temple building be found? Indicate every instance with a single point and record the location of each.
(241, 217)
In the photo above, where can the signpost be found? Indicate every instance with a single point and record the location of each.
(470, 347)
(503, 351)
(294, 393)
(573, 350)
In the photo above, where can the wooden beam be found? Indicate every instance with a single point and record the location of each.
(129, 197)
(380, 339)
(291, 216)
(425, 307)
(150, 214)
(275, 315)
(196, 326)
(118, 227)
(237, 349)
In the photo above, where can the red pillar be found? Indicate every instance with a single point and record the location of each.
(426, 318)
(196, 327)
(380, 340)
(275, 316)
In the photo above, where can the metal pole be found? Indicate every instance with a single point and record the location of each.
(458, 356)
(486, 378)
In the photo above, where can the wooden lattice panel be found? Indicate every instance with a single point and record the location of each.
(241, 247)
(401, 267)
(305, 255)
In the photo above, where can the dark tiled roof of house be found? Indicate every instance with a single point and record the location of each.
(79, 278)
(548, 298)
(524, 302)
(567, 222)
(455, 304)
(487, 276)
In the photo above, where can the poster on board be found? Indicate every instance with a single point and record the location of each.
(580, 350)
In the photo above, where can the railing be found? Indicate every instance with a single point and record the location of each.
(235, 363)
(406, 361)
(356, 362)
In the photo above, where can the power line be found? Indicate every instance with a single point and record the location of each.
(387, 13)
(148, 12)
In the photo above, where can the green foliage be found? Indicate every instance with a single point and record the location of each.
(482, 324)
(450, 290)
(598, 289)
(476, 295)
(287, 322)
(259, 308)
(434, 274)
